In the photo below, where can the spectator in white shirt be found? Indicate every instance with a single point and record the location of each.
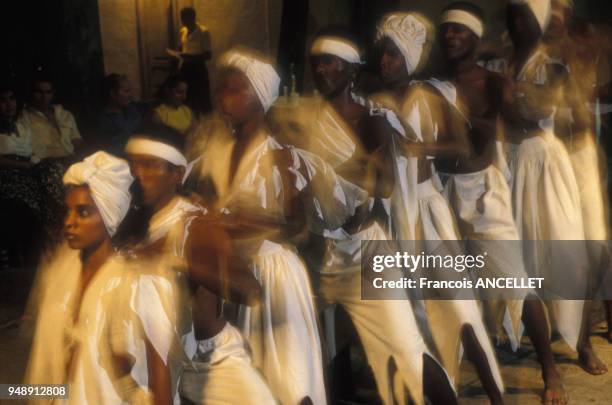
(54, 130)
(195, 47)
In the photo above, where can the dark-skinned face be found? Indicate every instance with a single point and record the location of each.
(236, 99)
(8, 105)
(523, 26)
(458, 41)
(331, 74)
(42, 95)
(123, 94)
(392, 63)
(83, 225)
(156, 178)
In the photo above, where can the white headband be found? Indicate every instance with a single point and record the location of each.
(408, 34)
(109, 181)
(261, 75)
(143, 146)
(464, 18)
(336, 46)
(541, 10)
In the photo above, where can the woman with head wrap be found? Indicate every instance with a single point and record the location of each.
(400, 359)
(79, 297)
(405, 39)
(545, 193)
(254, 181)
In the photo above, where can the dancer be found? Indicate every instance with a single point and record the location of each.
(405, 40)
(253, 182)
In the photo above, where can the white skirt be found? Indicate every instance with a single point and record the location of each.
(282, 331)
(387, 328)
(222, 373)
(546, 203)
(482, 203)
(447, 318)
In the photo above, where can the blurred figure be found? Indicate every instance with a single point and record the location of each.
(365, 167)
(172, 111)
(195, 50)
(211, 361)
(546, 197)
(78, 293)
(120, 116)
(481, 93)
(254, 181)
(54, 130)
(405, 40)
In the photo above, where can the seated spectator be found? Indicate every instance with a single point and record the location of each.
(54, 130)
(120, 116)
(172, 111)
(22, 202)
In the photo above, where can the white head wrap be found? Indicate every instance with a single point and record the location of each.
(261, 74)
(464, 18)
(540, 9)
(407, 33)
(109, 181)
(336, 46)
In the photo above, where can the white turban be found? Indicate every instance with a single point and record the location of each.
(464, 18)
(340, 47)
(407, 33)
(540, 9)
(261, 74)
(109, 181)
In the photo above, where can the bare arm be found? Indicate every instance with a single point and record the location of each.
(159, 377)
(213, 264)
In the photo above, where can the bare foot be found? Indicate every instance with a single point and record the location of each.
(588, 360)
(554, 391)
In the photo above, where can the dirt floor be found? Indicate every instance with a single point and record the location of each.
(520, 370)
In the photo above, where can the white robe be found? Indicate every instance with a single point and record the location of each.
(88, 340)
(435, 222)
(283, 331)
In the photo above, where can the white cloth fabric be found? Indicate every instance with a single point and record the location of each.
(52, 138)
(222, 373)
(283, 331)
(261, 74)
(18, 142)
(402, 343)
(408, 34)
(58, 337)
(144, 146)
(339, 47)
(585, 161)
(482, 204)
(541, 9)
(547, 207)
(447, 317)
(109, 180)
(464, 18)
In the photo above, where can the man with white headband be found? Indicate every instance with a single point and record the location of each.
(405, 40)
(335, 60)
(479, 174)
(249, 177)
(79, 296)
(198, 251)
